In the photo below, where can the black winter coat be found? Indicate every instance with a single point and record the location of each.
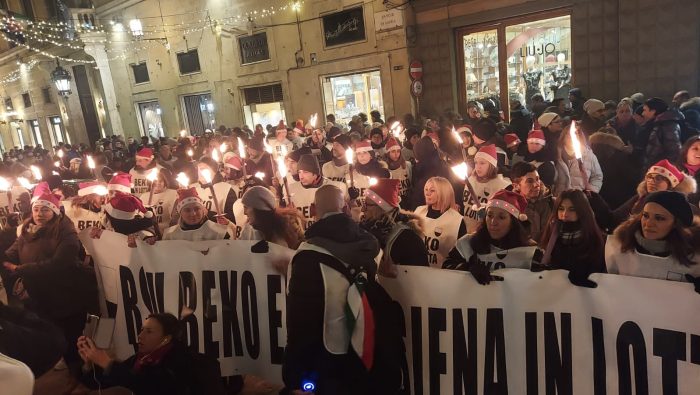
(421, 173)
(521, 122)
(665, 138)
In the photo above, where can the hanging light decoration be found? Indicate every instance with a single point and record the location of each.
(61, 78)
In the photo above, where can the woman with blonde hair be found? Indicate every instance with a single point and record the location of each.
(442, 224)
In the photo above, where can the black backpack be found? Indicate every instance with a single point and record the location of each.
(389, 372)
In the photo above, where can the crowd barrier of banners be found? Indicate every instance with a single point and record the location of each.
(533, 333)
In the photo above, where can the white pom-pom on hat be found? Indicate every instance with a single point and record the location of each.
(522, 217)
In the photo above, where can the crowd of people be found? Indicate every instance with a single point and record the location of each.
(590, 187)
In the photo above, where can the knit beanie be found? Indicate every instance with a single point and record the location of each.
(308, 162)
(675, 203)
(259, 198)
(297, 154)
(424, 149)
(343, 140)
(485, 129)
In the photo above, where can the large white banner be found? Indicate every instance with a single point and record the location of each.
(535, 333)
(232, 299)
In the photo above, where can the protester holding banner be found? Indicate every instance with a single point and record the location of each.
(400, 233)
(662, 176)
(318, 340)
(500, 241)
(85, 210)
(526, 182)
(145, 162)
(162, 365)
(572, 239)
(126, 214)
(443, 225)
(162, 200)
(44, 270)
(663, 241)
(266, 221)
(193, 224)
(486, 182)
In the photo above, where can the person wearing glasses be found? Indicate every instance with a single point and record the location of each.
(662, 176)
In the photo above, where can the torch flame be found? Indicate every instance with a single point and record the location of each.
(372, 181)
(57, 164)
(60, 153)
(223, 147)
(152, 175)
(396, 129)
(183, 133)
(268, 147)
(91, 162)
(4, 184)
(260, 175)
(283, 150)
(215, 155)
(313, 119)
(241, 148)
(101, 190)
(349, 155)
(461, 170)
(36, 172)
(183, 180)
(457, 136)
(206, 174)
(55, 173)
(190, 153)
(281, 167)
(24, 182)
(574, 140)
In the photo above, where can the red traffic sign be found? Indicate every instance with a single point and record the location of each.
(417, 88)
(415, 69)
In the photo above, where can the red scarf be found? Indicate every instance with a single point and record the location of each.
(692, 169)
(151, 358)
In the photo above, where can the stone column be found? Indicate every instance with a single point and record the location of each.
(95, 47)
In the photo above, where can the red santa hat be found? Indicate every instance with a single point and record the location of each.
(123, 206)
(536, 136)
(144, 153)
(668, 170)
(96, 187)
(120, 182)
(385, 193)
(363, 146)
(234, 162)
(392, 144)
(513, 203)
(45, 198)
(511, 140)
(187, 196)
(488, 153)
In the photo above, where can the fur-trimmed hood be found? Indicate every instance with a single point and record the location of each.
(602, 138)
(686, 187)
(693, 103)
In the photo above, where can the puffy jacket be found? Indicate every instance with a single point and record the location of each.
(665, 138)
(569, 173)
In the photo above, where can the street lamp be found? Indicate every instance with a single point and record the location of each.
(61, 78)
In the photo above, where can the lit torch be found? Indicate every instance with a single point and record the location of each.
(268, 149)
(241, 153)
(183, 180)
(462, 171)
(36, 172)
(349, 156)
(24, 182)
(91, 166)
(372, 181)
(152, 177)
(190, 153)
(183, 133)
(312, 120)
(283, 174)
(577, 153)
(461, 143)
(208, 177)
(215, 155)
(7, 187)
(396, 130)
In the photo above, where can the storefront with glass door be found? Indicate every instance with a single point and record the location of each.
(515, 59)
(150, 116)
(347, 95)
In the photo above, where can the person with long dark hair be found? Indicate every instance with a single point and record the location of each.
(572, 239)
(500, 241)
(45, 272)
(662, 241)
(266, 221)
(162, 365)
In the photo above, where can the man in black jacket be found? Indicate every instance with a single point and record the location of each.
(318, 340)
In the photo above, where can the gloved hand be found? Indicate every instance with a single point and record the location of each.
(481, 273)
(695, 281)
(353, 192)
(580, 279)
